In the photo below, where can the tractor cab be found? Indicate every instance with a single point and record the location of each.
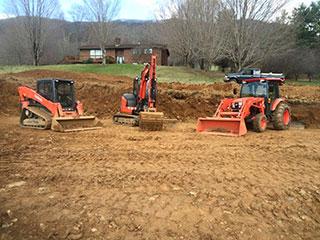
(266, 89)
(58, 91)
(269, 90)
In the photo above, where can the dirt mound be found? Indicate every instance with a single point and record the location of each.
(101, 95)
(309, 114)
(78, 77)
(9, 97)
(301, 93)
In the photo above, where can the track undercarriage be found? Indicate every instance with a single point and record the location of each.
(151, 121)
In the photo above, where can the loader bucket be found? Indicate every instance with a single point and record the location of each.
(222, 126)
(151, 121)
(75, 124)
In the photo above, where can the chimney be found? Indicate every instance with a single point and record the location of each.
(117, 41)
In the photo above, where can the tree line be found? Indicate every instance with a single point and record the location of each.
(199, 33)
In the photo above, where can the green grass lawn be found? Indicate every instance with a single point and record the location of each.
(304, 82)
(164, 73)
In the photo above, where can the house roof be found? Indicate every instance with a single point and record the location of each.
(124, 46)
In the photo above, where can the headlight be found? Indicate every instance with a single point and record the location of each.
(226, 78)
(236, 105)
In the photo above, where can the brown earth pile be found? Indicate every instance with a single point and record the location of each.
(101, 95)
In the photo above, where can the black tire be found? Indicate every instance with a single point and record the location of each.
(280, 117)
(230, 80)
(239, 81)
(260, 123)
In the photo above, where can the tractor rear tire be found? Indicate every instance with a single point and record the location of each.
(260, 123)
(282, 117)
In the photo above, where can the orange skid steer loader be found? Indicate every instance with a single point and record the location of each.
(259, 103)
(53, 106)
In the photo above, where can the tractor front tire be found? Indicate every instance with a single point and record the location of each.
(260, 123)
(282, 117)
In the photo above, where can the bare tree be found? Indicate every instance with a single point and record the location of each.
(252, 30)
(12, 49)
(77, 13)
(193, 30)
(33, 15)
(100, 13)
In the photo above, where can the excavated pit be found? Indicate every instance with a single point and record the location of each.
(101, 95)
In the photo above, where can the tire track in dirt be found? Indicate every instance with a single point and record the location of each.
(127, 183)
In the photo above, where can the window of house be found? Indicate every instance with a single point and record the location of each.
(148, 51)
(95, 54)
(137, 51)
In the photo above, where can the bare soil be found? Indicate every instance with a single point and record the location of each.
(101, 95)
(123, 183)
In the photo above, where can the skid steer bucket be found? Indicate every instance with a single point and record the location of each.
(75, 124)
(222, 126)
(151, 121)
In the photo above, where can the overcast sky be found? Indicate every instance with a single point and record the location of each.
(145, 9)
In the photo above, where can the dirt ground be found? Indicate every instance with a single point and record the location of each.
(123, 183)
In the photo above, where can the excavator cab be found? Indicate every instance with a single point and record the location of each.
(130, 100)
(58, 91)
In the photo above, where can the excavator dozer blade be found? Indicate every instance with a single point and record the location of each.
(71, 124)
(222, 126)
(151, 121)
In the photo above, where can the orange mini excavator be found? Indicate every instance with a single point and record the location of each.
(53, 106)
(139, 107)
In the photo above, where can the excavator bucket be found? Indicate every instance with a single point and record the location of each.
(75, 124)
(222, 126)
(151, 121)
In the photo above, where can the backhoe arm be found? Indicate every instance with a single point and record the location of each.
(149, 72)
(143, 84)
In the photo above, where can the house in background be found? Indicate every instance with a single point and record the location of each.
(126, 53)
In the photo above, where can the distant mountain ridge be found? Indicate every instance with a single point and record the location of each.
(122, 20)
(133, 21)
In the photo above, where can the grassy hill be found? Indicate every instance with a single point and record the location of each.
(164, 73)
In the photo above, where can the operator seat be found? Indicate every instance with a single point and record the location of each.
(131, 99)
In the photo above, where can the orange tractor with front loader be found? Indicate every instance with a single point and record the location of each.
(259, 104)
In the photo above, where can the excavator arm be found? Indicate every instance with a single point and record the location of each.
(152, 77)
(148, 74)
(149, 119)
